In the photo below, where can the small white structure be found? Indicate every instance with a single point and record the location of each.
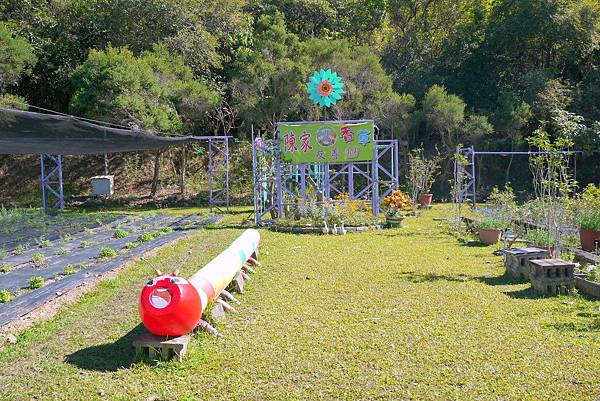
(103, 185)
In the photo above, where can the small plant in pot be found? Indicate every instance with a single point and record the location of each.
(395, 206)
(587, 213)
(490, 229)
(421, 176)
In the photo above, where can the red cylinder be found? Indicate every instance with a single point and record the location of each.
(170, 306)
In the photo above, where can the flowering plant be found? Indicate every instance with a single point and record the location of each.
(395, 203)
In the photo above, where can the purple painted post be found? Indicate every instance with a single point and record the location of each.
(210, 175)
(278, 173)
(473, 174)
(303, 181)
(351, 180)
(375, 179)
(396, 163)
(61, 200)
(227, 173)
(43, 181)
(257, 213)
(326, 187)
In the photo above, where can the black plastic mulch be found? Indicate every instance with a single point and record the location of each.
(92, 265)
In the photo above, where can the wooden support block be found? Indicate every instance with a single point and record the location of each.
(248, 269)
(237, 284)
(217, 312)
(167, 348)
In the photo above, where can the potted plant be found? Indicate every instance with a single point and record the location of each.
(395, 207)
(587, 213)
(490, 229)
(422, 173)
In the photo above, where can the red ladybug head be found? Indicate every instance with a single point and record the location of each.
(170, 306)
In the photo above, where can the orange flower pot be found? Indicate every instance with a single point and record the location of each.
(489, 236)
(425, 200)
(587, 238)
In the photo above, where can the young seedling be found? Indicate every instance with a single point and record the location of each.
(20, 249)
(44, 243)
(36, 282)
(6, 267)
(85, 243)
(106, 252)
(62, 251)
(38, 259)
(5, 296)
(69, 269)
(145, 237)
(120, 233)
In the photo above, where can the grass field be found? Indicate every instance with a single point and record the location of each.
(403, 314)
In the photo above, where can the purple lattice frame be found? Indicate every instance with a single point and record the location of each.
(280, 185)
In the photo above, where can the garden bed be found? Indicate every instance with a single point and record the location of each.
(588, 287)
(77, 256)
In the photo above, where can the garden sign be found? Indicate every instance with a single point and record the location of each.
(327, 142)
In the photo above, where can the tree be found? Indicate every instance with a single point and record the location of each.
(354, 20)
(511, 116)
(154, 92)
(16, 55)
(267, 82)
(444, 113)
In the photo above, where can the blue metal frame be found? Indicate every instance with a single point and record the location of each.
(52, 182)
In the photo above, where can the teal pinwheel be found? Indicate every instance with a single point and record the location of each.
(325, 88)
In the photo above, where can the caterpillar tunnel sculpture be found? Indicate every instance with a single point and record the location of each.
(172, 306)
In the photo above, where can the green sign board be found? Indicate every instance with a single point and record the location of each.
(332, 142)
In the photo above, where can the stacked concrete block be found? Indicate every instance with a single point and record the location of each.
(516, 260)
(552, 276)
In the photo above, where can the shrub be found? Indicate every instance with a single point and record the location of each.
(106, 252)
(36, 282)
(594, 273)
(492, 222)
(120, 233)
(537, 238)
(587, 208)
(5, 296)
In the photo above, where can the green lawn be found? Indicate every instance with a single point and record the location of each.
(404, 314)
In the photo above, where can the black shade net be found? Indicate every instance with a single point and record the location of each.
(24, 132)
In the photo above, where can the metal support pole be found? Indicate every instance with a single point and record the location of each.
(227, 173)
(375, 180)
(278, 174)
(43, 173)
(474, 176)
(351, 180)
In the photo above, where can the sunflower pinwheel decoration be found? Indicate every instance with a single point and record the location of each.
(325, 88)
